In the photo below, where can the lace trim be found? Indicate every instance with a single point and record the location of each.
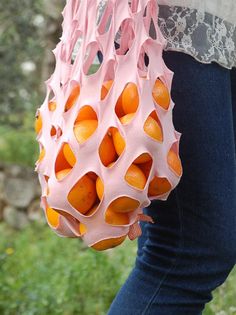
(206, 37)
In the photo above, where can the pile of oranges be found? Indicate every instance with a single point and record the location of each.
(86, 195)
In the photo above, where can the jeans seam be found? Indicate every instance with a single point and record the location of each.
(180, 245)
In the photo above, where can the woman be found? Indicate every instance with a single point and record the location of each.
(191, 248)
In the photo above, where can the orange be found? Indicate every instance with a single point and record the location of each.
(82, 229)
(73, 97)
(146, 168)
(124, 204)
(153, 129)
(86, 113)
(108, 243)
(106, 88)
(143, 158)
(174, 162)
(69, 155)
(52, 216)
(46, 178)
(119, 108)
(92, 175)
(99, 188)
(161, 94)
(83, 195)
(127, 118)
(116, 218)
(52, 105)
(154, 115)
(118, 140)
(61, 162)
(130, 98)
(158, 186)
(61, 174)
(84, 130)
(38, 123)
(92, 210)
(107, 150)
(53, 131)
(135, 177)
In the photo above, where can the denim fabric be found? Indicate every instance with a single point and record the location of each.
(191, 248)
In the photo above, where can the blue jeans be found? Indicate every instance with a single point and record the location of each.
(191, 248)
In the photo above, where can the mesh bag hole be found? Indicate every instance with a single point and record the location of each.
(84, 129)
(99, 188)
(152, 127)
(158, 186)
(62, 165)
(118, 140)
(90, 60)
(150, 27)
(99, 192)
(42, 154)
(83, 195)
(174, 161)
(128, 101)
(46, 178)
(67, 215)
(83, 229)
(86, 113)
(133, 4)
(104, 16)
(53, 131)
(143, 158)
(152, 30)
(135, 177)
(107, 151)
(143, 63)
(116, 218)
(161, 94)
(73, 97)
(69, 154)
(53, 217)
(52, 105)
(124, 37)
(92, 210)
(38, 122)
(75, 47)
(59, 132)
(124, 204)
(108, 243)
(146, 168)
(106, 88)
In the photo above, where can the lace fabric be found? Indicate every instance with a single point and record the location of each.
(204, 36)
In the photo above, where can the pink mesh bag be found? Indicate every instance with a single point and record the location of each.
(107, 141)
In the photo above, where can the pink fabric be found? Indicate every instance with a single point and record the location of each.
(80, 22)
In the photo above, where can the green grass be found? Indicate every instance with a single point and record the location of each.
(18, 146)
(41, 273)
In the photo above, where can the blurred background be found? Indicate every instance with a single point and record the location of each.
(41, 273)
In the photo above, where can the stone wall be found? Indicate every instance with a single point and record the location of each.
(19, 196)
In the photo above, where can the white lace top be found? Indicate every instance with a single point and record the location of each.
(204, 29)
